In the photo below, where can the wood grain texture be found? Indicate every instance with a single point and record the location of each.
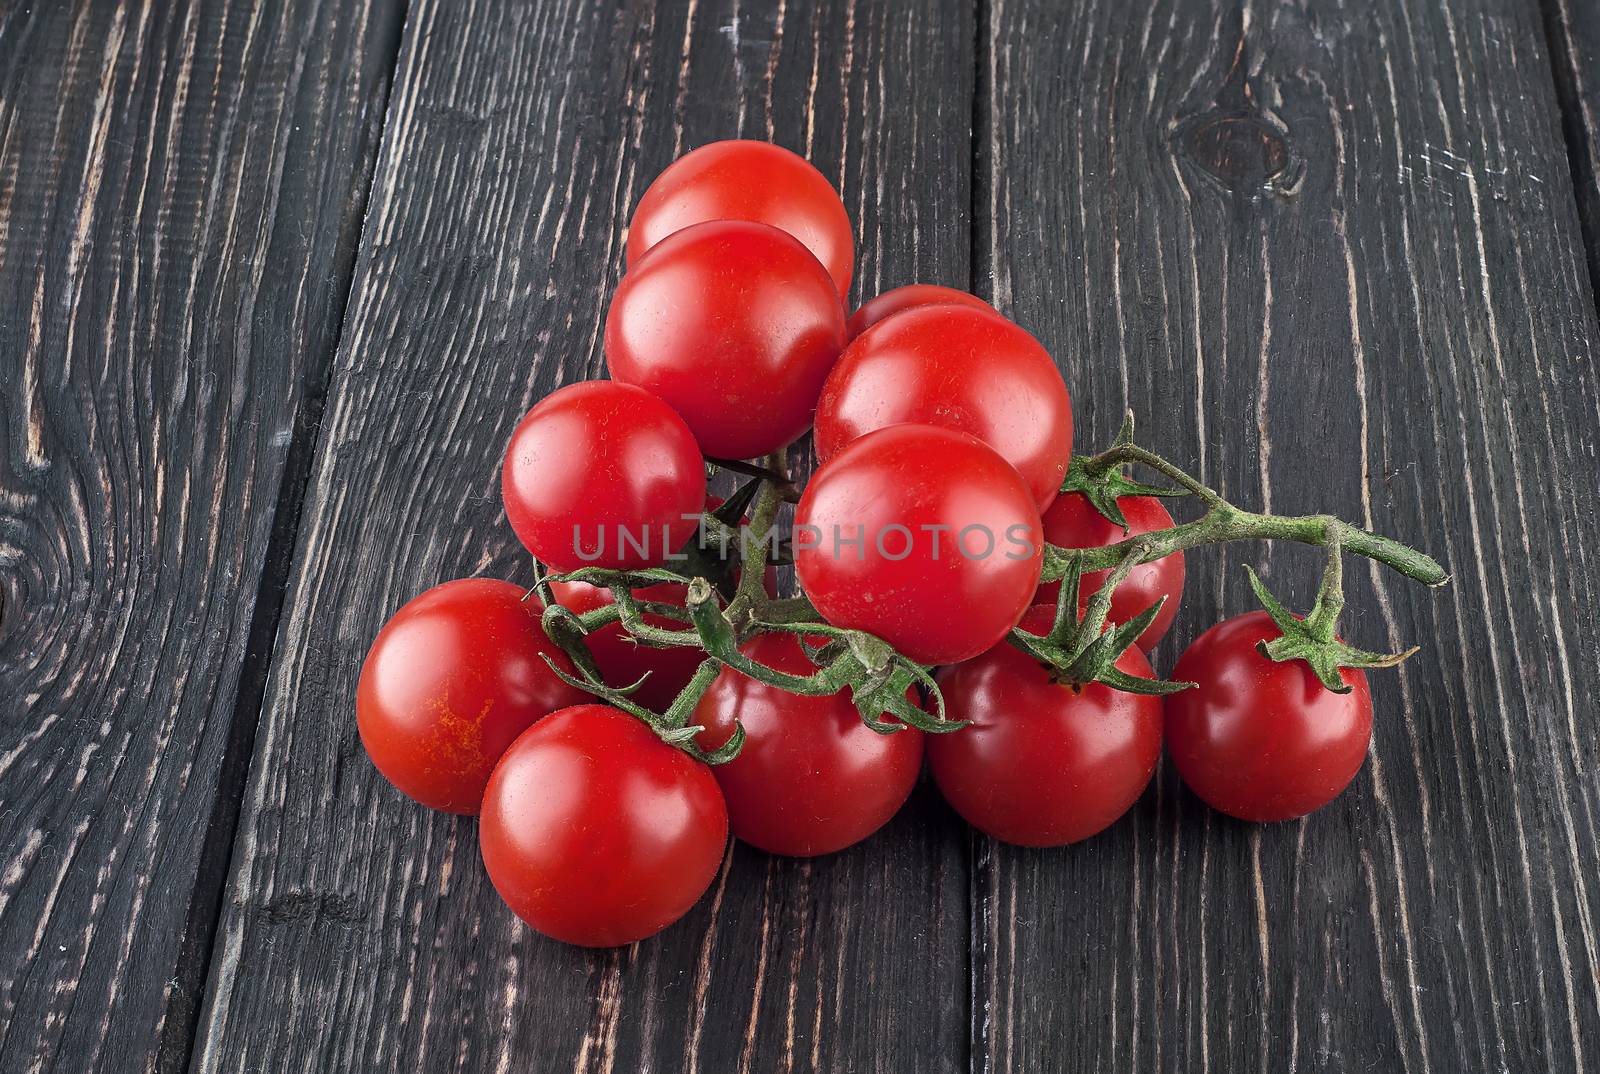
(180, 189)
(1329, 254)
(360, 931)
(1573, 30)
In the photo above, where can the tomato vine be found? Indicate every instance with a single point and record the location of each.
(935, 418)
(1079, 648)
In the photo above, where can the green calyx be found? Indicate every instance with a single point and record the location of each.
(877, 676)
(1082, 650)
(1102, 481)
(1313, 639)
(885, 678)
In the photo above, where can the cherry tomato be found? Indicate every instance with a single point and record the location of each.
(962, 368)
(1258, 739)
(1073, 522)
(452, 678)
(908, 297)
(922, 536)
(811, 778)
(736, 326)
(601, 474)
(596, 832)
(1043, 764)
(739, 180)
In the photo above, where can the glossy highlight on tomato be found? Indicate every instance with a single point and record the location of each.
(596, 832)
(602, 474)
(961, 368)
(908, 297)
(735, 325)
(1258, 739)
(1043, 764)
(746, 180)
(1073, 522)
(922, 536)
(811, 778)
(451, 680)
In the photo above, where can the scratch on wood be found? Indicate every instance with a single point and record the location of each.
(747, 1054)
(702, 975)
(32, 411)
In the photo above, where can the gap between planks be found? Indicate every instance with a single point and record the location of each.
(180, 1037)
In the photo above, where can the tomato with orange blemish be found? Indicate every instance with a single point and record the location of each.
(451, 680)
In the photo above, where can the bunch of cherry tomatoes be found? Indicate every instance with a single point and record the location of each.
(943, 434)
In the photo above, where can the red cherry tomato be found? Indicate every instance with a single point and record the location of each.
(757, 181)
(1073, 522)
(908, 297)
(962, 368)
(811, 778)
(1043, 764)
(452, 678)
(736, 326)
(596, 832)
(601, 474)
(922, 536)
(1258, 739)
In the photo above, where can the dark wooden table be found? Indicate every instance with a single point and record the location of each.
(276, 280)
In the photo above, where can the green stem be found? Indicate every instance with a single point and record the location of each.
(1099, 606)
(780, 610)
(1124, 454)
(630, 614)
(752, 589)
(1324, 618)
(677, 714)
(720, 535)
(1225, 522)
(717, 636)
(775, 475)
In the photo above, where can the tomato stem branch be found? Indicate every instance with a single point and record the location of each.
(776, 476)
(632, 619)
(1125, 454)
(787, 610)
(757, 540)
(1099, 605)
(1083, 648)
(1324, 617)
(1224, 522)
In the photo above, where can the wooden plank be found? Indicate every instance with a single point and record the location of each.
(1366, 294)
(360, 930)
(180, 186)
(1573, 29)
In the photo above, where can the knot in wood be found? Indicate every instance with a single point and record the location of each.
(1242, 151)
